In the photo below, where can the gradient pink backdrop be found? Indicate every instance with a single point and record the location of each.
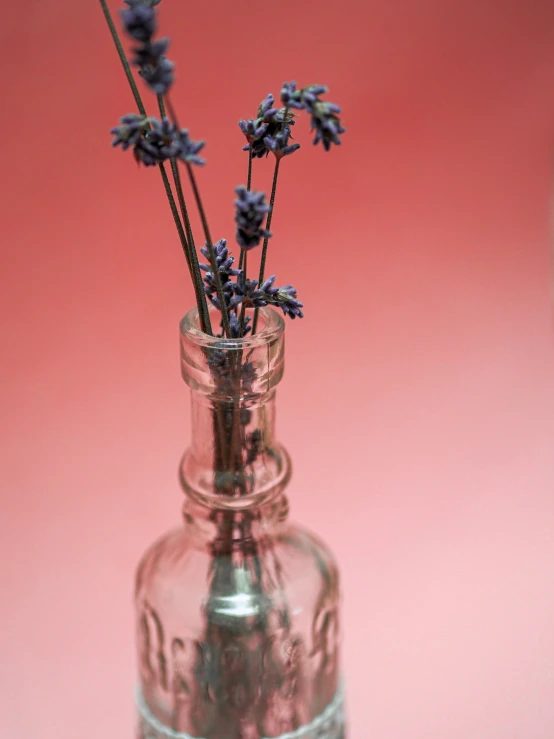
(418, 402)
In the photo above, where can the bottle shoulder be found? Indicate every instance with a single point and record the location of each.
(181, 554)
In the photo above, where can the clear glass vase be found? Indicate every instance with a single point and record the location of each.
(237, 610)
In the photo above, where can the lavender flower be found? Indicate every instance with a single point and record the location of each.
(300, 99)
(225, 269)
(165, 139)
(283, 297)
(291, 97)
(326, 124)
(188, 149)
(155, 141)
(155, 68)
(133, 3)
(254, 132)
(234, 324)
(268, 122)
(279, 145)
(250, 213)
(131, 129)
(255, 128)
(139, 20)
(254, 296)
(324, 116)
(218, 362)
(247, 292)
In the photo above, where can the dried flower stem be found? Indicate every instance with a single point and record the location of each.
(211, 252)
(206, 327)
(192, 256)
(123, 58)
(197, 277)
(268, 226)
(249, 180)
(209, 242)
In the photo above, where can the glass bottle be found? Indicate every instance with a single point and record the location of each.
(237, 610)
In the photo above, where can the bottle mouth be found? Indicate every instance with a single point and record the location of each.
(270, 326)
(216, 366)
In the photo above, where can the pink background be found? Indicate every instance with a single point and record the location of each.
(418, 402)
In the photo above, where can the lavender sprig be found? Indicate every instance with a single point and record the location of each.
(255, 128)
(155, 69)
(252, 295)
(326, 124)
(279, 144)
(131, 129)
(247, 292)
(299, 99)
(204, 314)
(140, 21)
(324, 115)
(160, 143)
(226, 272)
(189, 149)
(283, 297)
(268, 122)
(251, 209)
(239, 328)
(155, 142)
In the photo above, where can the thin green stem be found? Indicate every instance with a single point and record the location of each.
(123, 58)
(268, 226)
(192, 257)
(211, 252)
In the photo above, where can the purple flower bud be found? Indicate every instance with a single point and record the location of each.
(225, 269)
(139, 21)
(248, 292)
(268, 122)
(234, 325)
(155, 69)
(266, 108)
(131, 129)
(285, 298)
(279, 145)
(291, 97)
(251, 209)
(324, 116)
(189, 149)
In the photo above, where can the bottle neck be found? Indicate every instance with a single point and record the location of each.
(234, 461)
(227, 532)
